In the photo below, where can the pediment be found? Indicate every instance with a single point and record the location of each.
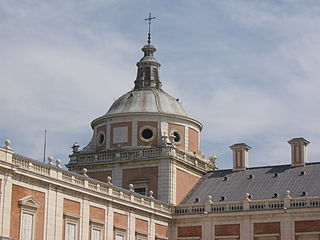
(29, 201)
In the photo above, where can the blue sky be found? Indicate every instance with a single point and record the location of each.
(248, 70)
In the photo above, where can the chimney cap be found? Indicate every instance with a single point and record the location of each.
(298, 140)
(240, 145)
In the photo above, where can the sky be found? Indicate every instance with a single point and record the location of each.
(248, 70)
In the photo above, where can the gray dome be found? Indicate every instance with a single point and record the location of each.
(147, 100)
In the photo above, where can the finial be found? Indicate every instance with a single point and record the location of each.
(84, 172)
(50, 159)
(7, 144)
(109, 180)
(151, 194)
(75, 147)
(149, 34)
(58, 162)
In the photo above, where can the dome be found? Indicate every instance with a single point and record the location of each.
(147, 100)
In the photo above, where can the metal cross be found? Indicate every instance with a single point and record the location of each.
(149, 34)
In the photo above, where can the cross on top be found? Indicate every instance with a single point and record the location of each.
(149, 19)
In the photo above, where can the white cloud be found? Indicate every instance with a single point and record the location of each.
(248, 70)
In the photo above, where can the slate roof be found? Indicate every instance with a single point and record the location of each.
(260, 182)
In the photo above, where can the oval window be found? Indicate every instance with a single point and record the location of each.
(177, 136)
(147, 133)
(101, 138)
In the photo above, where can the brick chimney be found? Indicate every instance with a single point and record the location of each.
(298, 151)
(240, 156)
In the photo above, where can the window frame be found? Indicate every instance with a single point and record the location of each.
(98, 225)
(71, 219)
(153, 130)
(101, 133)
(141, 184)
(180, 135)
(28, 205)
(119, 231)
(141, 236)
(33, 214)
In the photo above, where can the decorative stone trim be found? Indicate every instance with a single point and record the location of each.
(29, 202)
(147, 127)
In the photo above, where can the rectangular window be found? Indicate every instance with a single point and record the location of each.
(71, 229)
(141, 190)
(119, 236)
(27, 226)
(140, 187)
(96, 234)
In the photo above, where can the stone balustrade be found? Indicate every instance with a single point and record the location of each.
(253, 205)
(194, 160)
(21, 164)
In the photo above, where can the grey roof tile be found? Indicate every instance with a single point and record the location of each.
(263, 185)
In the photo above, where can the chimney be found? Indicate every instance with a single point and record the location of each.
(298, 151)
(240, 156)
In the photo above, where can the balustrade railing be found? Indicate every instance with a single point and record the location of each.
(254, 205)
(197, 208)
(141, 154)
(107, 189)
(30, 164)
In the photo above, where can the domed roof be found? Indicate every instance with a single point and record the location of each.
(147, 100)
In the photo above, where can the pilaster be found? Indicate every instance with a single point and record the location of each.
(58, 213)
(134, 133)
(131, 225)
(207, 229)
(163, 180)
(246, 228)
(50, 218)
(151, 227)
(84, 226)
(109, 226)
(108, 140)
(186, 137)
(287, 227)
(117, 176)
(173, 182)
(5, 211)
(172, 231)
